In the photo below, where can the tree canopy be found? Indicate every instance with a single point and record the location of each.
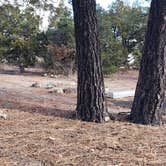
(121, 32)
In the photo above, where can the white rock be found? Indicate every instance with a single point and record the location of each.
(120, 94)
(106, 90)
(122, 67)
(92, 150)
(50, 85)
(56, 91)
(45, 75)
(52, 138)
(3, 115)
(73, 83)
(107, 118)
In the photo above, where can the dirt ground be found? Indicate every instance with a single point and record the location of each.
(40, 129)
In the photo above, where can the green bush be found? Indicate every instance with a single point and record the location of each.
(137, 54)
(110, 69)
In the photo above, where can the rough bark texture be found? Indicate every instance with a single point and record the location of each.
(150, 91)
(90, 93)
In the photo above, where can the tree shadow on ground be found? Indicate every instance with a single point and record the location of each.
(46, 111)
(123, 104)
(120, 115)
(55, 112)
(25, 73)
(127, 105)
(120, 109)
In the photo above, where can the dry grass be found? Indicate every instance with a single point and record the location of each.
(34, 139)
(40, 131)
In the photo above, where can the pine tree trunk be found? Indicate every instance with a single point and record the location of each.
(90, 91)
(20, 62)
(150, 91)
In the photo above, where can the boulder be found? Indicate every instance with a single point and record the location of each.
(56, 91)
(119, 94)
(3, 115)
(69, 90)
(35, 85)
(50, 85)
(52, 76)
(45, 75)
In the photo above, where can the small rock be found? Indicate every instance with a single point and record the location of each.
(35, 85)
(52, 138)
(106, 90)
(56, 91)
(52, 76)
(3, 115)
(73, 83)
(122, 67)
(107, 118)
(92, 150)
(45, 75)
(119, 94)
(70, 90)
(50, 85)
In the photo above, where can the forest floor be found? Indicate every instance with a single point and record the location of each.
(40, 129)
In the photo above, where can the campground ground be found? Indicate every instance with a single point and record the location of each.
(40, 129)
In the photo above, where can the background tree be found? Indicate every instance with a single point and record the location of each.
(90, 95)
(61, 40)
(112, 25)
(150, 92)
(121, 29)
(18, 30)
(111, 48)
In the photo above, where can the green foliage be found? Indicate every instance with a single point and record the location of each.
(61, 28)
(137, 54)
(121, 31)
(110, 69)
(61, 39)
(18, 30)
(40, 43)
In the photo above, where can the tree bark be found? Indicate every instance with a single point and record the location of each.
(22, 69)
(150, 91)
(91, 104)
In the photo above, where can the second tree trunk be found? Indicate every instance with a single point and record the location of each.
(150, 92)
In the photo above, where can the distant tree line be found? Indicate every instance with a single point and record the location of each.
(121, 31)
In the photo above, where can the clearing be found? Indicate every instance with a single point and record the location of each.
(40, 129)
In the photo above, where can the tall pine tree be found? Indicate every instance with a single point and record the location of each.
(150, 92)
(90, 93)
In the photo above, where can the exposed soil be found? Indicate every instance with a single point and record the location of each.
(40, 129)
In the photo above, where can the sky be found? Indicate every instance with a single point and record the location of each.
(103, 3)
(106, 3)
